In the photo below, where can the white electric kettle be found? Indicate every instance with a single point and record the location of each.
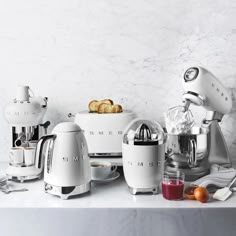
(66, 168)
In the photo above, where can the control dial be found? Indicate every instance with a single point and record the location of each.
(191, 74)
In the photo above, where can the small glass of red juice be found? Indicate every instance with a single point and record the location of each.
(173, 185)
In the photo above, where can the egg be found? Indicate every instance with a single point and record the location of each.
(201, 194)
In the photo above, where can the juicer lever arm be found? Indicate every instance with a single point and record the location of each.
(39, 149)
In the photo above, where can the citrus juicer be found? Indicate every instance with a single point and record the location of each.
(143, 150)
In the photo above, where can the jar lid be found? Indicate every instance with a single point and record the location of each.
(144, 132)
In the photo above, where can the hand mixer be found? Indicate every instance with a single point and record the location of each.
(193, 152)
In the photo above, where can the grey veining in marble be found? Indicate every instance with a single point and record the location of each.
(134, 52)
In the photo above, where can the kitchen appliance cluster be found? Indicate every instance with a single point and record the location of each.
(146, 149)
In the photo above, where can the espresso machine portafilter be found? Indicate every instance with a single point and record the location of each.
(204, 145)
(25, 117)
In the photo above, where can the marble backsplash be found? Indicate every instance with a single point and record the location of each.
(134, 52)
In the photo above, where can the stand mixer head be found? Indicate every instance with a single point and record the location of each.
(202, 88)
(195, 150)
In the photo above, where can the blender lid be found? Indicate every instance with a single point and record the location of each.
(144, 132)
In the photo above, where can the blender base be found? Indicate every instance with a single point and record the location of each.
(190, 174)
(134, 191)
(22, 174)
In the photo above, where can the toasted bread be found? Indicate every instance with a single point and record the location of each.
(107, 108)
(94, 104)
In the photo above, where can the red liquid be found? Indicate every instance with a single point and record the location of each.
(173, 189)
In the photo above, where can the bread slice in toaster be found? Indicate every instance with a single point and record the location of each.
(107, 108)
(94, 104)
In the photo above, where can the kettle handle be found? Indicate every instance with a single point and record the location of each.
(39, 149)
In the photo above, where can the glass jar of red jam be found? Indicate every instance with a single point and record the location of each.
(173, 185)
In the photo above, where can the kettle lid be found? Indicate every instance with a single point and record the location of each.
(66, 127)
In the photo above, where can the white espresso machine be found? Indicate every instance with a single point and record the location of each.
(195, 151)
(25, 117)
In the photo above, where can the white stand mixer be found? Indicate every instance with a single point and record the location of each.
(203, 89)
(25, 116)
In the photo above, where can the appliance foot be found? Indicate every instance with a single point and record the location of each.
(134, 191)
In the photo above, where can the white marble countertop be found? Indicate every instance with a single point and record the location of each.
(111, 195)
(110, 210)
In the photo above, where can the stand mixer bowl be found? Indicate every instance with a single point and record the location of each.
(189, 150)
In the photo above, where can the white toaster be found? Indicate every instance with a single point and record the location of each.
(104, 132)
